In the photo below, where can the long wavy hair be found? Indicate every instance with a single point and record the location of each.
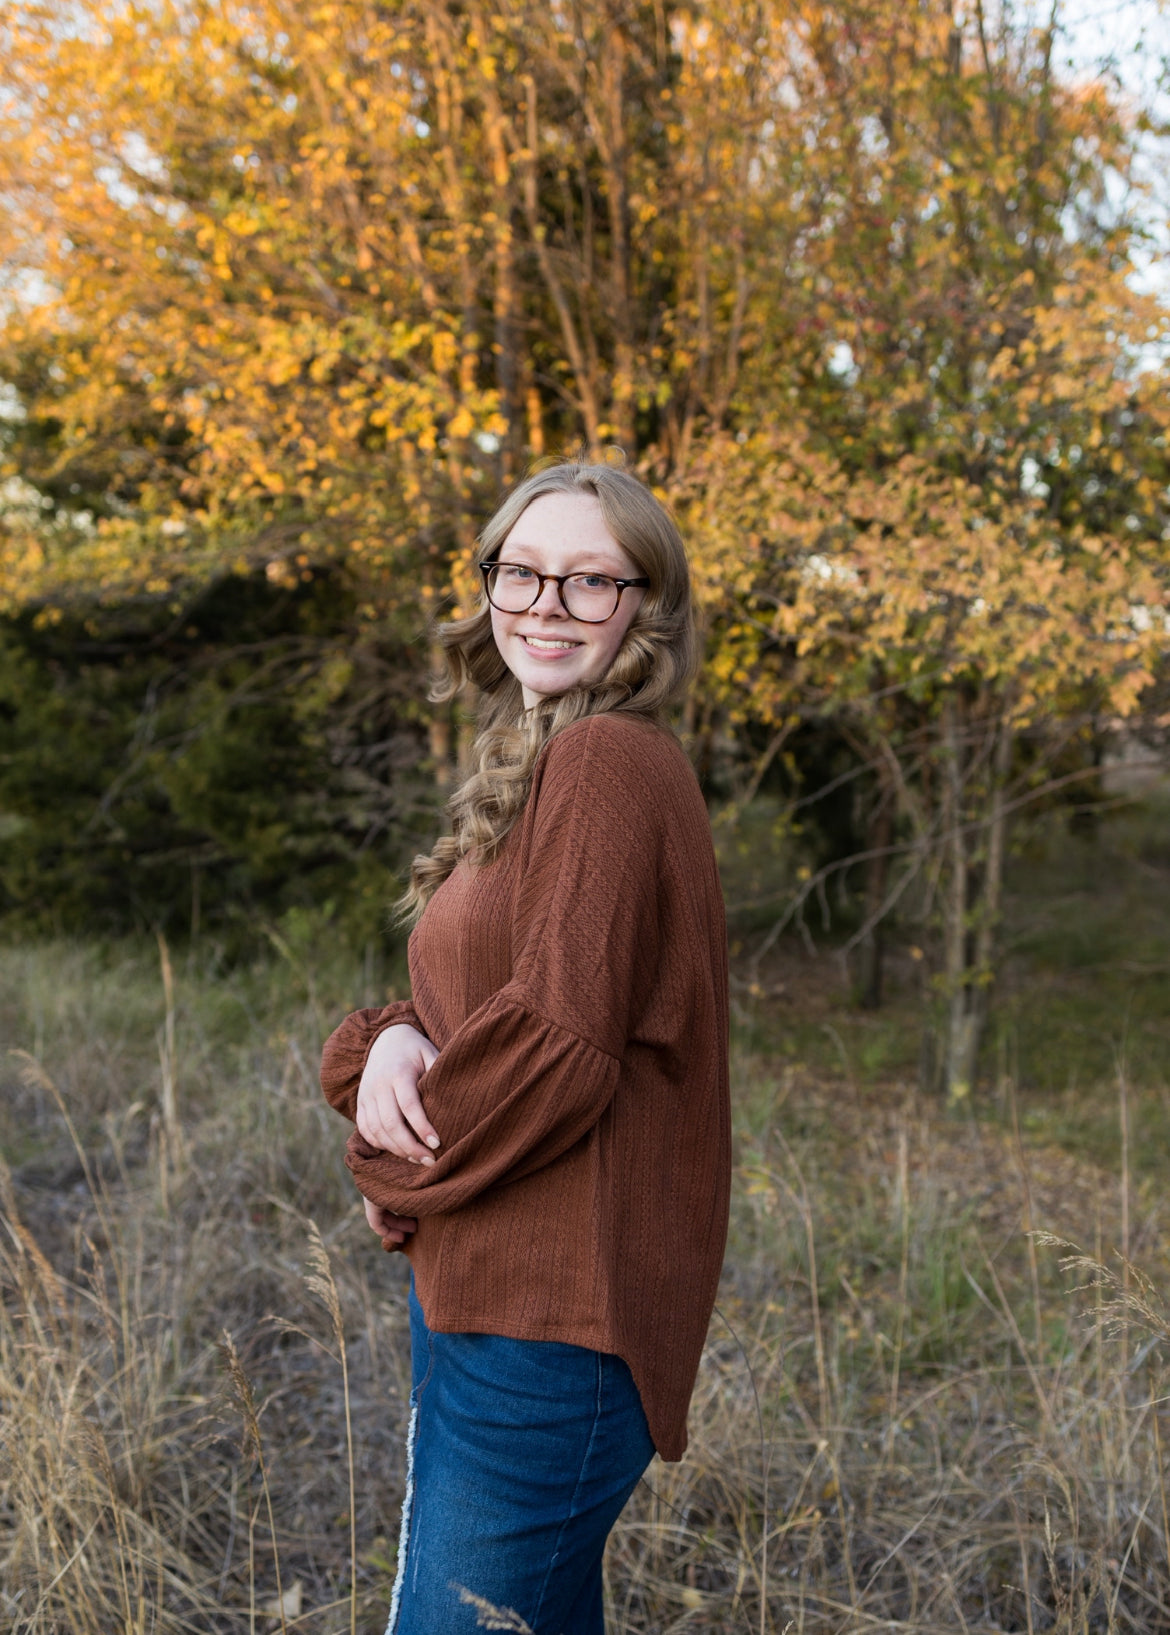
(649, 673)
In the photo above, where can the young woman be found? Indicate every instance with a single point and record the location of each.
(544, 1126)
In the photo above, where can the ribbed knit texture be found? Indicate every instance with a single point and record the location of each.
(576, 989)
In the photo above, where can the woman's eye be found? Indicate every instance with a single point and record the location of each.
(592, 581)
(516, 574)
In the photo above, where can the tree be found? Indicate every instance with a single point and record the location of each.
(239, 354)
(959, 554)
(849, 283)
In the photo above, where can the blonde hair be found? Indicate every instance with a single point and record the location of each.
(649, 673)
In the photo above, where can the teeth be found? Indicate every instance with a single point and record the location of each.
(537, 641)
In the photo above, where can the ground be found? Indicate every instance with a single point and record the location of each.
(913, 1413)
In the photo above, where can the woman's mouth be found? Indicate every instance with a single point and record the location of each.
(549, 646)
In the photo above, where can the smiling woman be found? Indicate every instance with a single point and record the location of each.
(565, 519)
(544, 1126)
(565, 597)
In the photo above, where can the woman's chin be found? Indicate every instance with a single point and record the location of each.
(545, 685)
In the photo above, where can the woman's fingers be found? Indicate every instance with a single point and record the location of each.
(408, 1136)
(396, 1228)
(370, 1119)
(392, 1229)
(384, 1220)
(411, 1107)
(381, 1122)
(378, 1119)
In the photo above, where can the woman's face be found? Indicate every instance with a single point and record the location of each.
(546, 649)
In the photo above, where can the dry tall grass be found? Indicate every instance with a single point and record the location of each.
(904, 1420)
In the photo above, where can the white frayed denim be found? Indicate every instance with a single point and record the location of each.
(404, 1531)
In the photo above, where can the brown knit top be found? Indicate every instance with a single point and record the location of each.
(576, 989)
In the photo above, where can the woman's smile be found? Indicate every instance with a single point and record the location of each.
(548, 646)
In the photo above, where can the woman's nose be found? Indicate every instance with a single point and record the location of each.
(548, 601)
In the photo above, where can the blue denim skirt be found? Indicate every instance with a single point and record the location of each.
(520, 1456)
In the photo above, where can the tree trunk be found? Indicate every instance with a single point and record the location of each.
(506, 297)
(609, 124)
(440, 730)
(959, 1044)
(877, 872)
(974, 886)
(584, 376)
(991, 892)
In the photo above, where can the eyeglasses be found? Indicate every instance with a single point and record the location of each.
(591, 598)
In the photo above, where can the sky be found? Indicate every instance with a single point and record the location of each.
(1130, 40)
(1131, 35)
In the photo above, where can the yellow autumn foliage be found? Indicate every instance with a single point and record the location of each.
(843, 281)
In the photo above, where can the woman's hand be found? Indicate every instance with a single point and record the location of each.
(389, 1113)
(392, 1229)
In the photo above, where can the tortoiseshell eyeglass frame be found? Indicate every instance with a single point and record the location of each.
(557, 579)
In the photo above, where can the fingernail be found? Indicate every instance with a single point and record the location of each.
(432, 1141)
(426, 1161)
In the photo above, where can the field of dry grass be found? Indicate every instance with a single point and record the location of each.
(911, 1416)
